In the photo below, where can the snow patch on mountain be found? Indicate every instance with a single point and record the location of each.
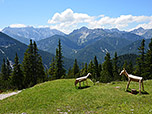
(83, 38)
(9, 45)
(2, 51)
(104, 50)
(117, 43)
(84, 35)
(75, 51)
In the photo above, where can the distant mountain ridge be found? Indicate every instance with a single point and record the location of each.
(85, 36)
(83, 44)
(146, 33)
(24, 34)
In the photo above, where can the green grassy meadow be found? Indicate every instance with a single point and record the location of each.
(61, 96)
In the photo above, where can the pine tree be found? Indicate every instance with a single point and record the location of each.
(38, 68)
(52, 70)
(8, 68)
(124, 78)
(115, 68)
(59, 71)
(91, 68)
(17, 75)
(41, 77)
(84, 70)
(75, 69)
(28, 66)
(107, 74)
(148, 62)
(92, 71)
(4, 71)
(96, 68)
(32, 66)
(100, 68)
(130, 68)
(70, 75)
(141, 60)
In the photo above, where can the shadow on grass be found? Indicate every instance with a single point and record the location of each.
(84, 87)
(137, 92)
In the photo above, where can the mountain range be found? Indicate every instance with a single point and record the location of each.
(83, 44)
(9, 47)
(24, 34)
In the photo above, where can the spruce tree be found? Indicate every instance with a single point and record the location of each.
(75, 69)
(17, 74)
(100, 68)
(141, 60)
(38, 68)
(91, 70)
(115, 68)
(41, 76)
(8, 68)
(106, 73)
(32, 66)
(124, 78)
(28, 66)
(96, 68)
(84, 70)
(148, 62)
(130, 68)
(70, 75)
(52, 70)
(60, 71)
(4, 70)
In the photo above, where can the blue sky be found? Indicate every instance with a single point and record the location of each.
(67, 15)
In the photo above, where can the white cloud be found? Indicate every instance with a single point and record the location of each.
(0, 29)
(68, 20)
(17, 25)
(120, 22)
(43, 26)
(144, 25)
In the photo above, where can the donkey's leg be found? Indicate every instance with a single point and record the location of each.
(142, 85)
(139, 86)
(86, 82)
(128, 84)
(80, 84)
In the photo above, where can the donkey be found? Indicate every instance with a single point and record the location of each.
(81, 79)
(133, 78)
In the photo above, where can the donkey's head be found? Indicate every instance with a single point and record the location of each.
(89, 74)
(123, 71)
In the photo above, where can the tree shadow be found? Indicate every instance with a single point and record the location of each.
(84, 87)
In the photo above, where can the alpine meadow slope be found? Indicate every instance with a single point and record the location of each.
(61, 96)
